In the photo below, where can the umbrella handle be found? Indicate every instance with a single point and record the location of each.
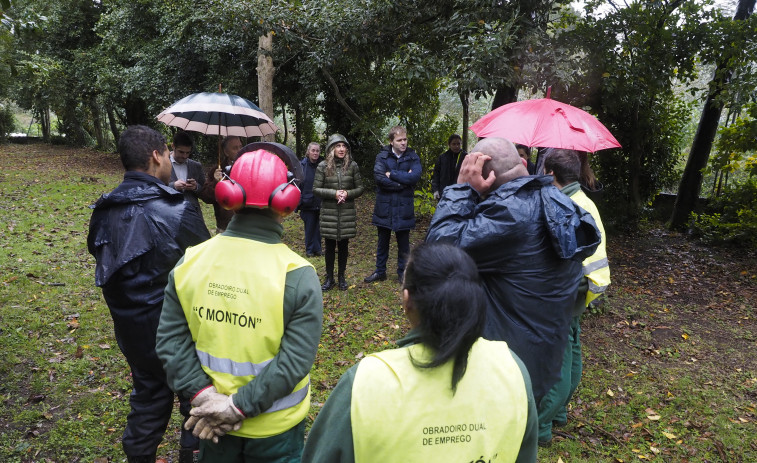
(570, 124)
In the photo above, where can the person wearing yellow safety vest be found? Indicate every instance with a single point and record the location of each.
(565, 166)
(446, 394)
(242, 319)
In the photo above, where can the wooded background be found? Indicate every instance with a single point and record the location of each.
(647, 69)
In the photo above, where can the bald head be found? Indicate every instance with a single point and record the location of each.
(505, 160)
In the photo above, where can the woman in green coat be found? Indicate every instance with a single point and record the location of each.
(338, 183)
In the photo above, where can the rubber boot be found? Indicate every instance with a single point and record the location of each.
(329, 283)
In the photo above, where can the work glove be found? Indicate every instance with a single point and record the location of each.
(199, 399)
(437, 195)
(207, 429)
(219, 409)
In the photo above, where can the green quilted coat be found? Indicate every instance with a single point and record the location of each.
(338, 221)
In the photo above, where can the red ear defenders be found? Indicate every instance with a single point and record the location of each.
(258, 171)
(285, 197)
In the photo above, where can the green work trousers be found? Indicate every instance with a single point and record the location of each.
(283, 448)
(553, 406)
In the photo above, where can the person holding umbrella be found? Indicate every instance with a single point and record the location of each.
(566, 168)
(230, 146)
(338, 183)
(446, 394)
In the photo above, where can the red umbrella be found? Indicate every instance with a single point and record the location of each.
(546, 123)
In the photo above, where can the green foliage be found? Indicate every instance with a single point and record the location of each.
(731, 218)
(737, 143)
(7, 120)
(633, 57)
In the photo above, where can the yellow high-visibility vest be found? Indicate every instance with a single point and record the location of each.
(596, 266)
(400, 412)
(232, 293)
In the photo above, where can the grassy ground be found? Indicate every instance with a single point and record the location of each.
(670, 368)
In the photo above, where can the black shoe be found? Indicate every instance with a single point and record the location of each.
(342, 284)
(188, 455)
(328, 284)
(375, 276)
(141, 459)
(309, 254)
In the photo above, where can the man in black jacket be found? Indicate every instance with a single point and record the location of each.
(447, 166)
(396, 171)
(137, 233)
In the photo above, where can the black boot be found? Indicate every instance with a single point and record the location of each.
(343, 252)
(141, 458)
(329, 283)
(188, 455)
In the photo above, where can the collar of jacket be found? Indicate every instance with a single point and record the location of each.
(137, 186)
(517, 183)
(255, 226)
(571, 188)
(413, 337)
(387, 150)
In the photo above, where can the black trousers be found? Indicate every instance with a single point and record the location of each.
(344, 251)
(151, 399)
(382, 249)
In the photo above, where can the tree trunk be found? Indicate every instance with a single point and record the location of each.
(136, 111)
(464, 101)
(113, 126)
(97, 124)
(298, 132)
(45, 123)
(503, 96)
(265, 78)
(691, 182)
(286, 129)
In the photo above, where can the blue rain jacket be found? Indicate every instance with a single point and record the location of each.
(528, 240)
(137, 233)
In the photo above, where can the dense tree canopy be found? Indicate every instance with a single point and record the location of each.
(357, 67)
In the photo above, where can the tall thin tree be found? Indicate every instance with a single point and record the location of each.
(691, 182)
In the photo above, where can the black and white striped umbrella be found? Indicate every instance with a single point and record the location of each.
(218, 114)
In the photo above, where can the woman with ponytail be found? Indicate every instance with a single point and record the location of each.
(445, 394)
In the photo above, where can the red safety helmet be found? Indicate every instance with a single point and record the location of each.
(260, 179)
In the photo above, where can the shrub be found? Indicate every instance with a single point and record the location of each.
(731, 217)
(7, 120)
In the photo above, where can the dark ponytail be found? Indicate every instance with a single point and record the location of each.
(445, 289)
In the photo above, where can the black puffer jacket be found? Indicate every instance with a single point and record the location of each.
(528, 240)
(338, 221)
(137, 233)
